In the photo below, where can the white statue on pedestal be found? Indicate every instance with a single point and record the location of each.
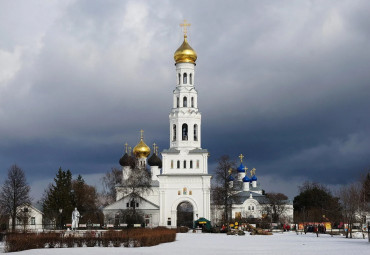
(75, 219)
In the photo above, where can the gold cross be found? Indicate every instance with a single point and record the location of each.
(154, 147)
(184, 26)
(245, 169)
(141, 134)
(241, 158)
(253, 171)
(129, 150)
(126, 147)
(156, 150)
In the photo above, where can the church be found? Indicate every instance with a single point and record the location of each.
(180, 181)
(181, 178)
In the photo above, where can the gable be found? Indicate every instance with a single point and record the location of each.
(122, 204)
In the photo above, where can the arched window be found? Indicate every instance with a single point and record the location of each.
(192, 101)
(191, 78)
(178, 163)
(178, 192)
(198, 163)
(252, 208)
(249, 208)
(185, 102)
(171, 163)
(195, 132)
(185, 78)
(184, 163)
(184, 132)
(191, 163)
(174, 132)
(177, 102)
(179, 79)
(184, 191)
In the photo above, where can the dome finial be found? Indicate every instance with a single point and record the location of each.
(154, 145)
(253, 171)
(185, 26)
(241, 158)
(129, 150)
(156, 150)
(141, 134)
(230, 170)
(126, 147)
(245, 169)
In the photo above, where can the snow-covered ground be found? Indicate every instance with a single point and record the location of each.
(193, 244)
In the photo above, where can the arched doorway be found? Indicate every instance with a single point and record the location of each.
(185, 213)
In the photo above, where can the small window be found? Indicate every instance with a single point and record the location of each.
(192, 101)
(33, 221)
(191, 163)
(190, 192)
(184, 191)
(127, 205)
(191, 78)
(195, 132)
(177, 102)
(184, 132)
(184, 163)
(137, 204)
(198, 163)
(25, 209)
(179, 79)
(169, 222)
(252, 208)
(174, 131)
(249, 208)
(185, 102)
(172, 164)
(185, 78)
(178, 163)
(179, 192)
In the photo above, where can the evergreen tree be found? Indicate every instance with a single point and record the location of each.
(85, 197)
(59, 196)
(316, 203)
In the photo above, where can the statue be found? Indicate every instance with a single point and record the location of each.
(75, 219)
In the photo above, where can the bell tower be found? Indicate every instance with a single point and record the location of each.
(184, 177)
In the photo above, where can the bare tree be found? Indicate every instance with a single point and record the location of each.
(137, 185)
(277, 202)
(223, 194)
(350, 197)
(109, 181)
(14, 193)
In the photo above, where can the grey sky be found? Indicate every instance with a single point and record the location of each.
(284, 82)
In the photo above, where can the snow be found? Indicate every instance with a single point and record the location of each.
(192, 244)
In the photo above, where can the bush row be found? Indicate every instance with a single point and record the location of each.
(126, 238)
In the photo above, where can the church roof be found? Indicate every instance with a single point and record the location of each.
(171, 151)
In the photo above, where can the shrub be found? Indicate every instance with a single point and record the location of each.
(127, 238)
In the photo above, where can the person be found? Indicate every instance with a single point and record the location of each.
(75, 219)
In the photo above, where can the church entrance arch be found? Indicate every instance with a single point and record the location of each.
(185, 213)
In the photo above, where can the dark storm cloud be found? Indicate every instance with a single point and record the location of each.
(285, 83)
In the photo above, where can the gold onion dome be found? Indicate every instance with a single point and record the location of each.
(185, 54)
(141, 150)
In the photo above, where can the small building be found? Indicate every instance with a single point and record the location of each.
(29, 217)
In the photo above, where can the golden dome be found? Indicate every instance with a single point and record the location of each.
(141, 150)
(185, 54)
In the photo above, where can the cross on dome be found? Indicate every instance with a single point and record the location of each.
(141, 134)
(245, 169)
(241, 158)
(185, 26)
(126, 147)
(253, 171)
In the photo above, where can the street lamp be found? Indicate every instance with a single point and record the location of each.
(60, 212)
